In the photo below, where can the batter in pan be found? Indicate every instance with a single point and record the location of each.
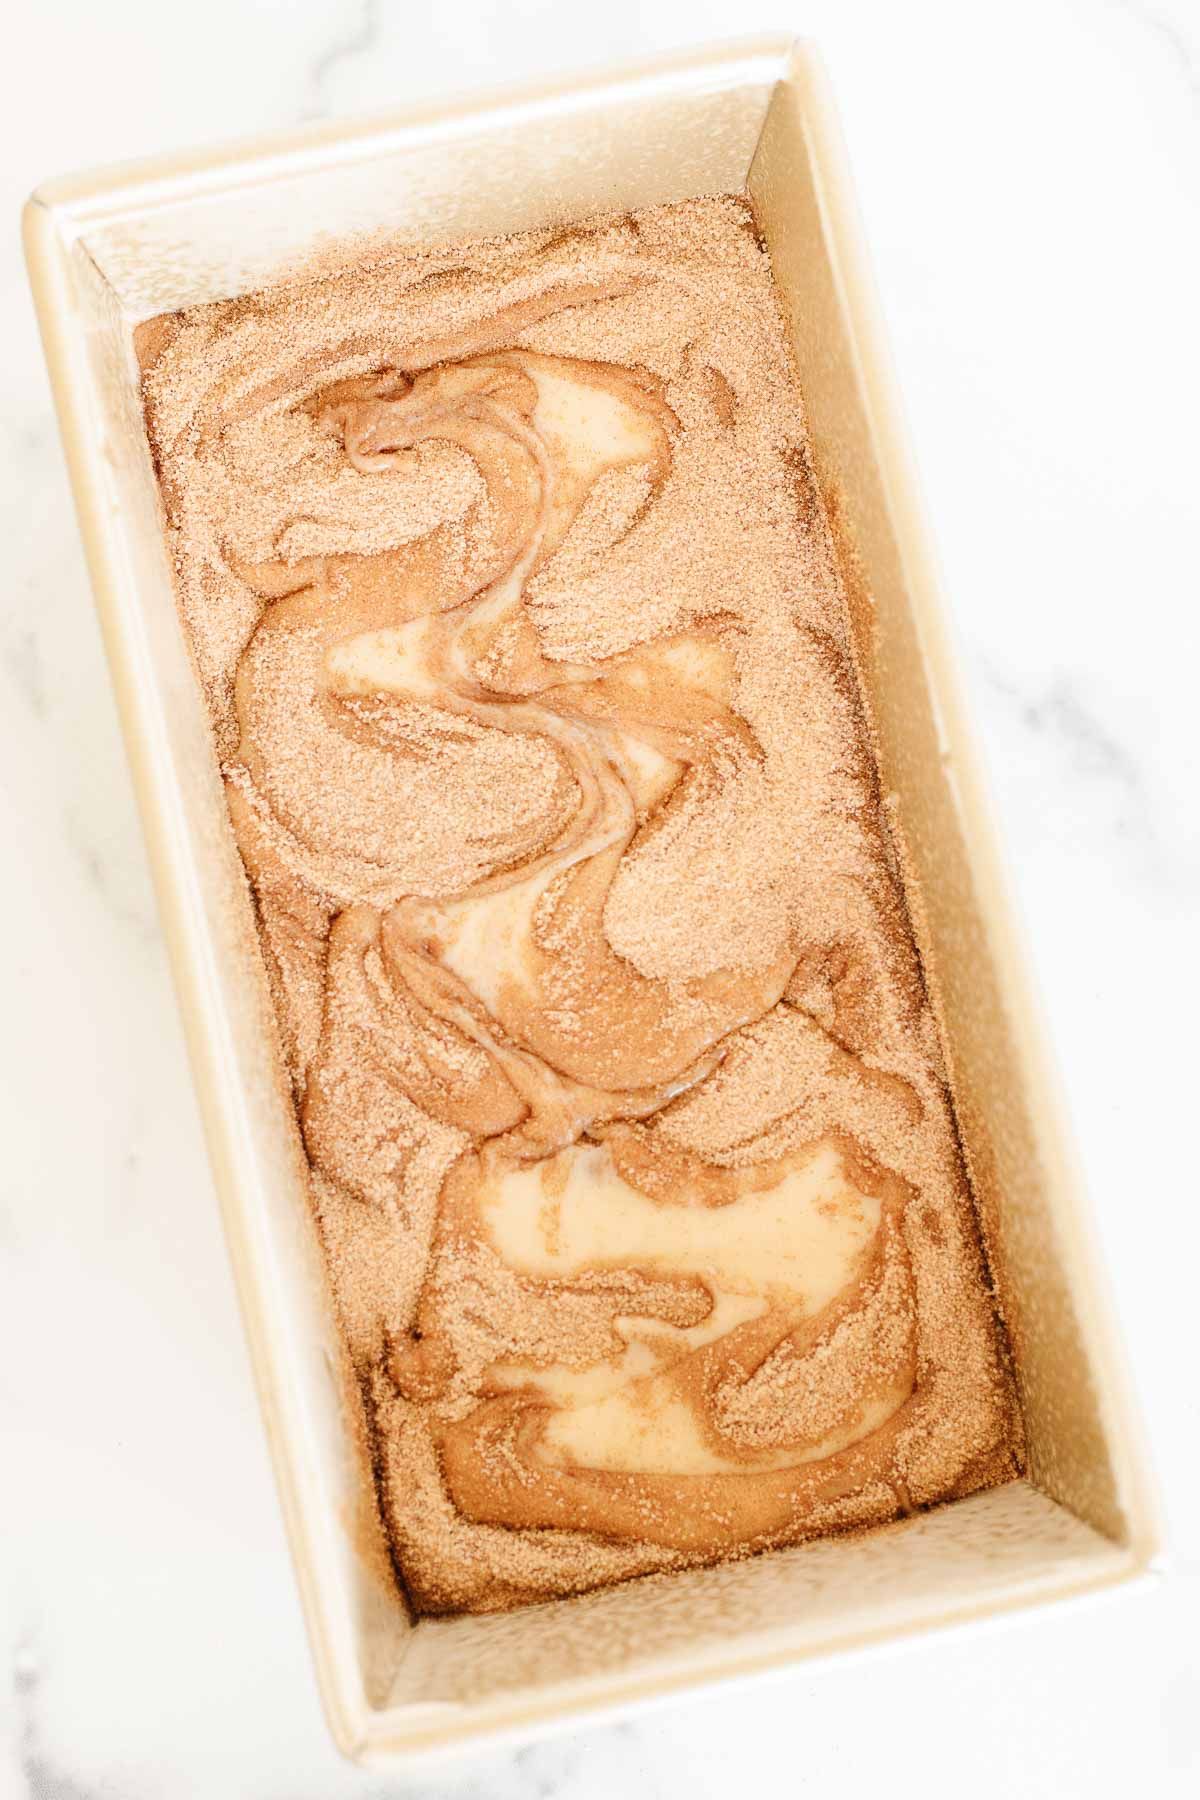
(528, 666)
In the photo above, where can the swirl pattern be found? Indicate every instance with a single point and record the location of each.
(523, 640)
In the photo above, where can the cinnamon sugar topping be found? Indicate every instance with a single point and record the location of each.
(526, 654)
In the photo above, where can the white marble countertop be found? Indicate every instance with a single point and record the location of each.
(1029, 178)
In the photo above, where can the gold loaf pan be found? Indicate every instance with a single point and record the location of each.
(110, 249)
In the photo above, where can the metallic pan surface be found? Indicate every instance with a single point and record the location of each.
(109, 249)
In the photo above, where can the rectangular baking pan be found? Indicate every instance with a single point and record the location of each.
(107, 250)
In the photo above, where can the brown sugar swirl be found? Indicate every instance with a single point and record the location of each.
(528, 667)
